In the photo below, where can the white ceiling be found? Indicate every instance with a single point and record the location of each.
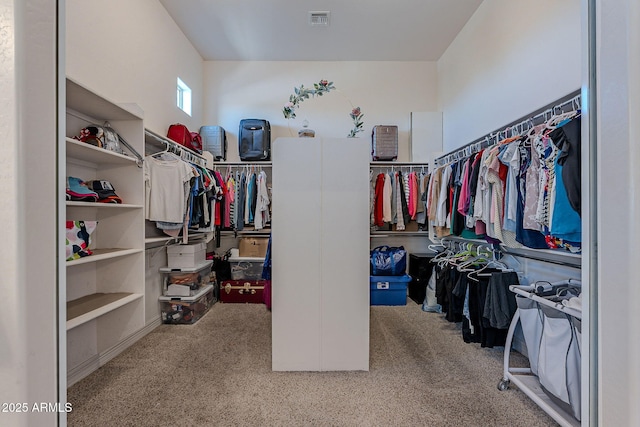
(359, 30)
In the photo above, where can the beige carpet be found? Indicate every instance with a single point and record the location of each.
(218, 373)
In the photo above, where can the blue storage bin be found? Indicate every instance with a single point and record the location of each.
(389, 290)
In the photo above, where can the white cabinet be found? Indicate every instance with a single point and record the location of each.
(104, 291)
(320, 253)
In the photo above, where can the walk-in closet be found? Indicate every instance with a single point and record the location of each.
(151, 282)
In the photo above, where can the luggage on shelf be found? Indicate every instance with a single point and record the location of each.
(384, 142)
(214, 140)
(254, 140)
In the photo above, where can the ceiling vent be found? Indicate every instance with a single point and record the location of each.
(319, 18)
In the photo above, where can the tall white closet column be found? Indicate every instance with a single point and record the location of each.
(320, 249)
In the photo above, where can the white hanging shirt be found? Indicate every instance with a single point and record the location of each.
(165, 182)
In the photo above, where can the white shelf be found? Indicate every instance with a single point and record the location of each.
(114, 274)
(263, 232)
(159, 239)
(71, 204)
(265, 163)
(530, 386)
(103, 254)
(399, 233)
(90, 153)
(98, 107)
(393, 163)
(87, 308)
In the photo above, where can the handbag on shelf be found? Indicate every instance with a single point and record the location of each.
(388, 261)
(78, 239)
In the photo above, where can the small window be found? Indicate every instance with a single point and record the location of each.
(184, 97)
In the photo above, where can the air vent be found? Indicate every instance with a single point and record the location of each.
(319, 18)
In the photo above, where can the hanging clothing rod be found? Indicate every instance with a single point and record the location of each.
(184, 153)
(572, 100)
(555, 257)
(385, 164)
(267, 164)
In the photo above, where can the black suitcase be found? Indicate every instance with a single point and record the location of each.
(214, 140)
(254, 140)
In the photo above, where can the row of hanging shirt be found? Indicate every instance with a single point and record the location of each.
(245, 200)
(472, 286)
(397, 198)
(176, 193)
(522, 192)
(180, 195)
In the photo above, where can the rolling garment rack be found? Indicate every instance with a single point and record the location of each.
(525, 378)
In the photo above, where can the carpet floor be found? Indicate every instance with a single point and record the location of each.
(217, 372)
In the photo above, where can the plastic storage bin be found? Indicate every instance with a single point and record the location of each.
(389, 290)
(186, 281)
(186, 256)
(246, 268)
(186, 310)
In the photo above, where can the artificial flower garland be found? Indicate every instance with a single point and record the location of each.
(319, 89)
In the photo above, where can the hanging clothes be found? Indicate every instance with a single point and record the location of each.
(567, 138)
(262, 216)
(167, 188)
(379, 201)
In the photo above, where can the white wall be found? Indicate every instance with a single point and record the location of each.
(387, 93)
(512, 57)
(618, 205)
(28, 329)
(133, 52)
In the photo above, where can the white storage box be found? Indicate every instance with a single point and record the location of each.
(246, 268)
(186, 281)
(186, 256)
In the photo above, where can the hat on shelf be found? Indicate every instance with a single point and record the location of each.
(78, 191)
(104, 189)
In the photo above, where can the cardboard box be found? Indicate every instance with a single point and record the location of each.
(186, 256)
(253, 247)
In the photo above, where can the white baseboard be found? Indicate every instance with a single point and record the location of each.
(96, 361)
(82, 370)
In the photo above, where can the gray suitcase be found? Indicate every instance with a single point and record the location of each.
(214, 140)
(384, 142)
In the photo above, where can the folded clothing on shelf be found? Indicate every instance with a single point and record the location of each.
(104, 189)
(78, 191)
(91, 191)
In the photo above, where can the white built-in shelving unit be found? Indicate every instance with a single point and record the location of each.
(105, 291)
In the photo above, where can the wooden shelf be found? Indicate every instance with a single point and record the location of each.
(90, 153)
(103, 254)
(90, 307)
